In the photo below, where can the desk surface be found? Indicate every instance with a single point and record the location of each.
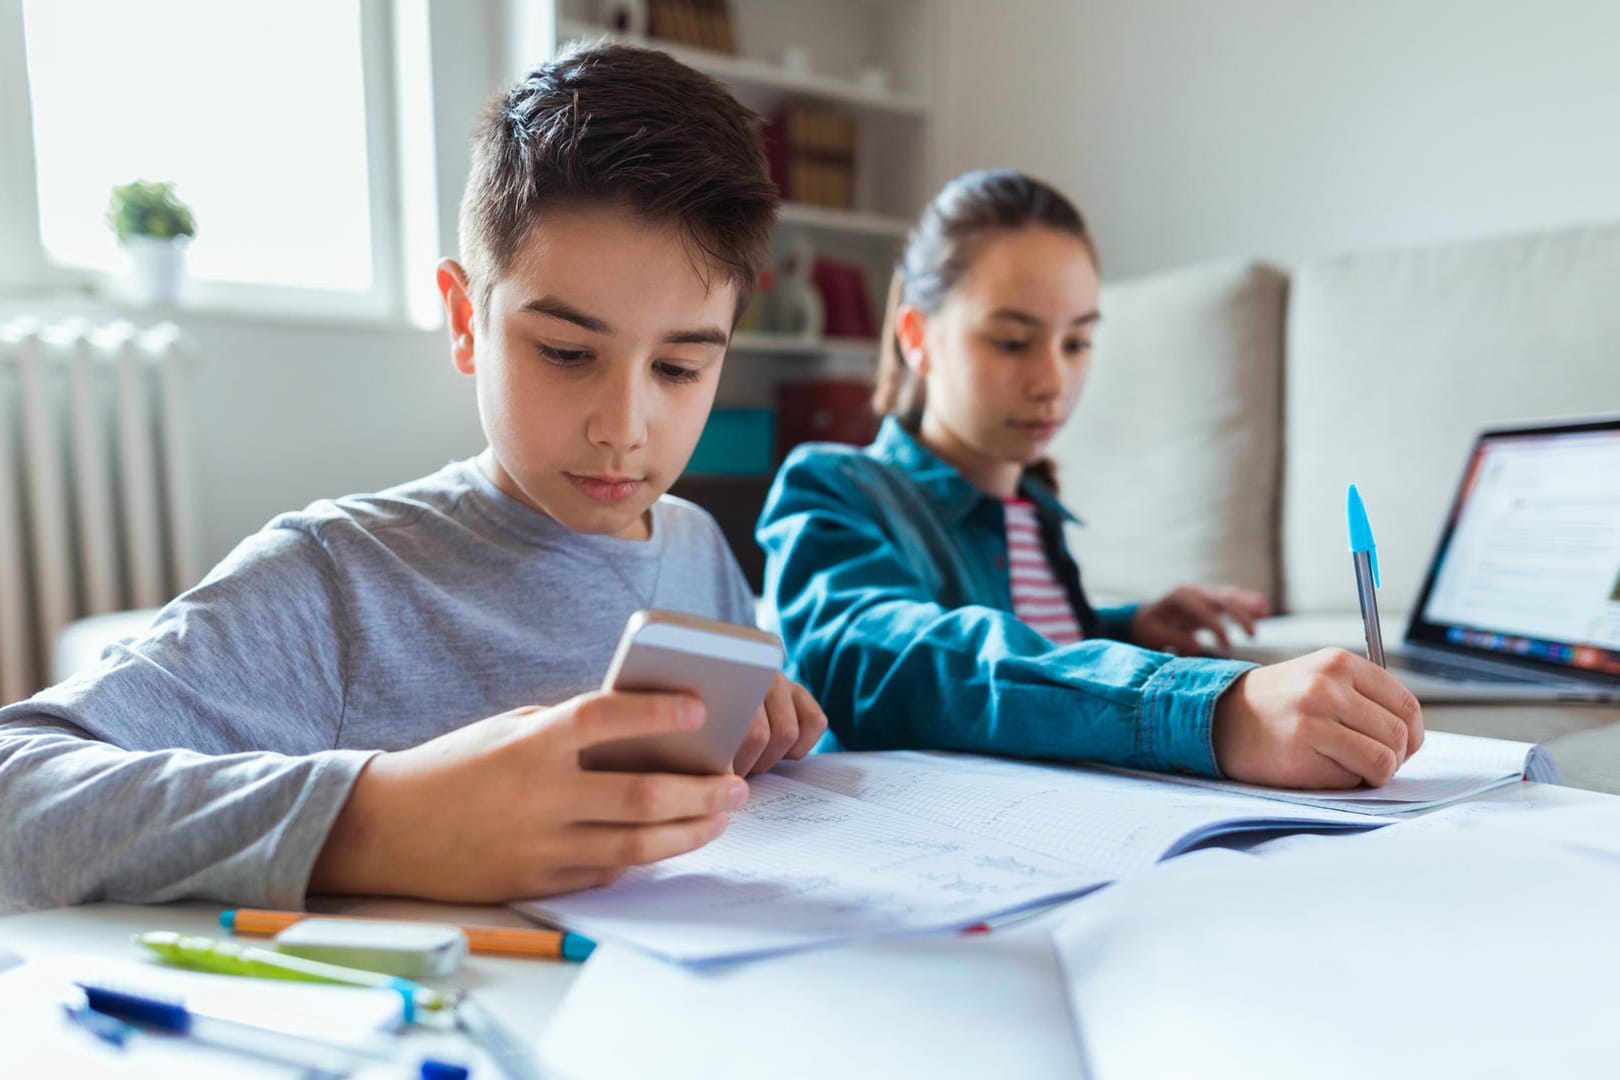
(522, 993)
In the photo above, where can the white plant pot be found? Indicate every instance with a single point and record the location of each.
(157, 269)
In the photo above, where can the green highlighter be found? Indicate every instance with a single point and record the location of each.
(230, 958)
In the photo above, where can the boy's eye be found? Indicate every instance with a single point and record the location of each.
(675, 372)
(564, 357)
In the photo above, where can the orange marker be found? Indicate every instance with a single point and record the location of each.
(485, 940)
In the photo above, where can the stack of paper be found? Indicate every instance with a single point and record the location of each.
(1411, 953)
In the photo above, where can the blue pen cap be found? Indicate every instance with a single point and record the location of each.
(1361, 537)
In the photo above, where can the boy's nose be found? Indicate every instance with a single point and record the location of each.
(619, 421)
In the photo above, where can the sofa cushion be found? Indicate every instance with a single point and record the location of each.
(1396, 358)
(1171, 456)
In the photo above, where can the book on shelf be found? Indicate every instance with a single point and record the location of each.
(823, 410)
(702, 24)
(846, 304)
(811, 153)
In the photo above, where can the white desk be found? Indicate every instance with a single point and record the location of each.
(526, 993)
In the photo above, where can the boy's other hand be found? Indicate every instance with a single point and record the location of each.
(1171, 623)
(501, 810)
(788, 725)
(1327, 720)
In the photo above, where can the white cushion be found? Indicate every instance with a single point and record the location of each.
(80, 644)
(1171, 456)
(1395, 359)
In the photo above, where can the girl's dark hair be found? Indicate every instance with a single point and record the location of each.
(954, 226)
(615, 123)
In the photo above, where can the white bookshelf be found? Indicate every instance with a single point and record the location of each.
(794, 345)
(894, 121)
(749, 77)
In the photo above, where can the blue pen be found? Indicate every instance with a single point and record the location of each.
(157, 1014)
(1365, 555)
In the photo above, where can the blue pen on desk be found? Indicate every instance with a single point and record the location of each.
(1365, 555)
(169, 1017)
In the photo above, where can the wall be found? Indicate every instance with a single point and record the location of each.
(283, 413)
(1290, 128)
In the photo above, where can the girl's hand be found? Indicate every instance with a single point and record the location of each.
(501, 810)
(1327, 720)
(1171, 624)
(787, 726)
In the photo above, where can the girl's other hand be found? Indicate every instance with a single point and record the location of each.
(1171, 623)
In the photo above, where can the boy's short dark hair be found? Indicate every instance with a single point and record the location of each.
(613, 123)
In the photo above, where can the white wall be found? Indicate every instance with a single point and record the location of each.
(1289, 128)
(283, 413)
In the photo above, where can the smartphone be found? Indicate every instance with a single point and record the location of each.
(730, 666)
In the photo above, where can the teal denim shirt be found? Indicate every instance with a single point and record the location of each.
(886, 572)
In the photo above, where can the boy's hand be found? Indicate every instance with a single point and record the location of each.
(1327, 720)
(1171, 623)
(500, 809)
(787, 725)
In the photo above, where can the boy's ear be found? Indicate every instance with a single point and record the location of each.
(458, 312)
(911, 327)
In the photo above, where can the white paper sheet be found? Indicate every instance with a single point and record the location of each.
(1446, 769)
(36, 1038)
(849, 846)
(1406, 953)
(981, 1005)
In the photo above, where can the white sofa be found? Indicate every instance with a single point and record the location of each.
(1230, 403)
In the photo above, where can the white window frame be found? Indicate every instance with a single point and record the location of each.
(25, 268)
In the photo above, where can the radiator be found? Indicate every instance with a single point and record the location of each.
(97, 510)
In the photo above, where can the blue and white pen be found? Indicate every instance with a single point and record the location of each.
(1365, 555)
(149, 1013)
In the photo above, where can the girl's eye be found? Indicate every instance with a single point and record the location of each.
(564, 357)
(1007, 345)
(676, 373)
(1077, 346)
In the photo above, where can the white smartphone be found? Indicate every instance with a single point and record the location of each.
(730, 666)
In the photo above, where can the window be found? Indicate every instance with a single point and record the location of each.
(273, 121)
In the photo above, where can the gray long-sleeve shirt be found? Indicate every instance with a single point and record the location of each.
(210, 756)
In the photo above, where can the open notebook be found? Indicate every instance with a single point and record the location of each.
(1446, 769)
(849, 846)
(842, 847)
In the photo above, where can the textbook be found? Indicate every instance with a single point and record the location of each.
(1446, 769)
(852, 846)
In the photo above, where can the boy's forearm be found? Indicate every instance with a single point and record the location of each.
(88, 821)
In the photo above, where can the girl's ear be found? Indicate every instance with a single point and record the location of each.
(910, 327)
(458, 313)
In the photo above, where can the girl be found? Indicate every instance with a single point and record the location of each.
(922, 583)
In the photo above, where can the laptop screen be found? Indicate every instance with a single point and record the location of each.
(1528, 565)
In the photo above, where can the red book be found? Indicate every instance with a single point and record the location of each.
(824, 410)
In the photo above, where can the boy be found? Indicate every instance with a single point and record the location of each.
(349, 702)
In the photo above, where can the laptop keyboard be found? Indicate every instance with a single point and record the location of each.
(1457, 672)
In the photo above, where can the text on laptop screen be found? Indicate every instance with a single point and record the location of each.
(1532, 566)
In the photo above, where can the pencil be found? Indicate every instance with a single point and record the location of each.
(484, 940)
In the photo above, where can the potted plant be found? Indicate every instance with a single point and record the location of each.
(154, 226)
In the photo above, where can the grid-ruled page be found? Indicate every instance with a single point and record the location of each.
(801, 866)
(1108, 822)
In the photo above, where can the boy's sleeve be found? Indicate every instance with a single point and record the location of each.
(894, 669)
(196, 761)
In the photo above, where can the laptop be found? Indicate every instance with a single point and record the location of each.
(1521, 601)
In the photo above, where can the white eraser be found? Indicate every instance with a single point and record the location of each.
(409, 949)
